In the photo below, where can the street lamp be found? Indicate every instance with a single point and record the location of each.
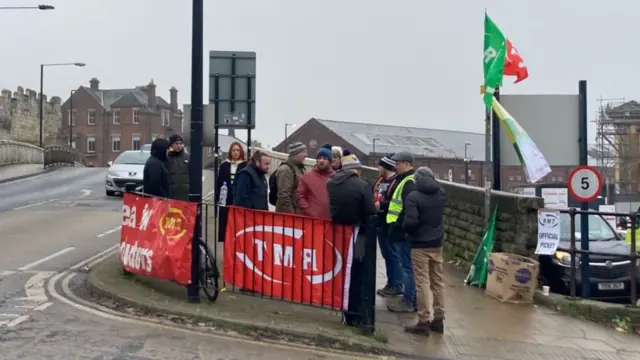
(79, 64)
(71, 119)
(286, 135)
(466, 163)
(374, 144)
(38, 7)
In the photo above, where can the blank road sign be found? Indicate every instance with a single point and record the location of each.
(232, 88)
(585, 183)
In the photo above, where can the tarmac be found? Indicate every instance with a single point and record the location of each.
(477, 326)
(20, 171)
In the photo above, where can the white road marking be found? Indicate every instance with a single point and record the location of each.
(20, 319)
(31, 205)
(100, 256)
(7, 315)
(6, 273)
(85, 192)
(46, 258)
(43, 306)
(109, 231)
(34, 287)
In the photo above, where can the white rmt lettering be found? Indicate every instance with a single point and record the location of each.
(260, 246)
(489, 54)
(136, 257)
(283, 258)
(309, 259)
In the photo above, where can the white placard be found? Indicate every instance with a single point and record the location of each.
(611, 219)
(548, 232)
(529, 191)
(555, 198)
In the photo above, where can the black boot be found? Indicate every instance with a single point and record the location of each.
(437, 325)
(420, 328)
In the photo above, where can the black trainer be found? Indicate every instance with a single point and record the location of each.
(437, 325)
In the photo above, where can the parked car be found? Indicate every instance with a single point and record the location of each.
(609, 275)
(127, 168)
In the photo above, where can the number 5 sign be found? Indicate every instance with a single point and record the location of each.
(585, 183)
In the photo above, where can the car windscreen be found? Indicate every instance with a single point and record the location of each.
(599, 229)
(133, 158)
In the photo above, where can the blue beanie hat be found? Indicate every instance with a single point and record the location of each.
(324, 151)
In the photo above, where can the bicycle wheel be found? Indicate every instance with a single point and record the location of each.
(209, 273)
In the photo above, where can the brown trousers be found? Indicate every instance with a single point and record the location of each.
(427, 270)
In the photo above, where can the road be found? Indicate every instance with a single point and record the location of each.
(57, 224)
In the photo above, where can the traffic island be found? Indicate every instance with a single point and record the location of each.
(257, 317)
(623, 318)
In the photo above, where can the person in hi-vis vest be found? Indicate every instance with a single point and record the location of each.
(395, 216)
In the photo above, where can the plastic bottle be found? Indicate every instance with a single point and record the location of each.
(223, 194)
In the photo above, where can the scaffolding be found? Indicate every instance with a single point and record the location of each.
(617, 149)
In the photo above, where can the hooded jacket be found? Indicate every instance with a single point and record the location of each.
(178, 165)
(156, 179)
(424, 211)
(351, 203)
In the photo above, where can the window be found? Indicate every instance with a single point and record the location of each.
(91, 117)
(136, 144)
(73, 142)
(116, 116)
(115, 143)
(166, 117)
(91, 144)
(71, 117)
(136, 116)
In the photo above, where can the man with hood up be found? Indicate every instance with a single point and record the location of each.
(351, 203)
(156, 179)
(423, 223)
(178, 163)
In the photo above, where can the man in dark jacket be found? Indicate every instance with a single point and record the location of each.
(250, 189)
(351, 203)
(178, 168)
(156, 179)
(387, 170)
(402, 186)
(423, 224)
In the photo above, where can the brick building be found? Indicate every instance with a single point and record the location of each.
(441, 150)
(109, 121)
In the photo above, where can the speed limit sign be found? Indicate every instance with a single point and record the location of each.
(585, 183)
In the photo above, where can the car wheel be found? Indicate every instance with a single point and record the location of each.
(110, 193)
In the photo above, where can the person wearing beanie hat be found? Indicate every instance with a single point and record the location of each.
(287, 179)
(312, 195)
(178, 164)
(351, 203)
(382, 196)
(336, 151)
(350, 161)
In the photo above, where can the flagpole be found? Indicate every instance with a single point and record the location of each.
(487, 165)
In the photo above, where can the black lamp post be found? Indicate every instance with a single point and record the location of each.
(466, 163)
(42, 92)
(37, 7)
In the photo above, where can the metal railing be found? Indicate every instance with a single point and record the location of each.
(296, 259)
(61, 155)
(629, 259)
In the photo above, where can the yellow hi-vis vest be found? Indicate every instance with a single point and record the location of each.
(395, 205)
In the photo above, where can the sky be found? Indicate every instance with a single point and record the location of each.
(403, 62)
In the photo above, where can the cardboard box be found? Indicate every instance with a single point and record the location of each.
(512, 278)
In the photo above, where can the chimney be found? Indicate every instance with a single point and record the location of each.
(174, 99)
(94, 84)
(151, 95)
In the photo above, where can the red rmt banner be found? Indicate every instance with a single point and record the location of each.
(156, 237)
(289, 257)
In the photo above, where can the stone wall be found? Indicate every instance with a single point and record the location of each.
(19, 117)
(516, 225)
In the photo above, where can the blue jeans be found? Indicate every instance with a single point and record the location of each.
(403, 247)
(391, 259)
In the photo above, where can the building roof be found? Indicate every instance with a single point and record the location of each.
(109, 98)
(419, 141)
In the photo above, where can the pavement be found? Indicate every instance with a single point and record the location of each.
(20, 171)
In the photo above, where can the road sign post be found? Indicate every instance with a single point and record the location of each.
(585, 185)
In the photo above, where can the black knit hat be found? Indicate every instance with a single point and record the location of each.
(387, 163)
(175, 138)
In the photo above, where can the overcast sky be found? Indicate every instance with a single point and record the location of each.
(409, 62)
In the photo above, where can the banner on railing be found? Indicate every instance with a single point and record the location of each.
(156, 237)
(289, 257)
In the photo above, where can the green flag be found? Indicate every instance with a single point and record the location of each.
(478, 272)
(493, 58)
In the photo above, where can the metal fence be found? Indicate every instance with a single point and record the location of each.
(597, 269)
(292, 258)
(57, 155)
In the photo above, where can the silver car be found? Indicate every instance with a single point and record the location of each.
(127, 168)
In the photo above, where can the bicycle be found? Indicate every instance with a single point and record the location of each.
(209, 273)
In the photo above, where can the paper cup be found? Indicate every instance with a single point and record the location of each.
(545, 290)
